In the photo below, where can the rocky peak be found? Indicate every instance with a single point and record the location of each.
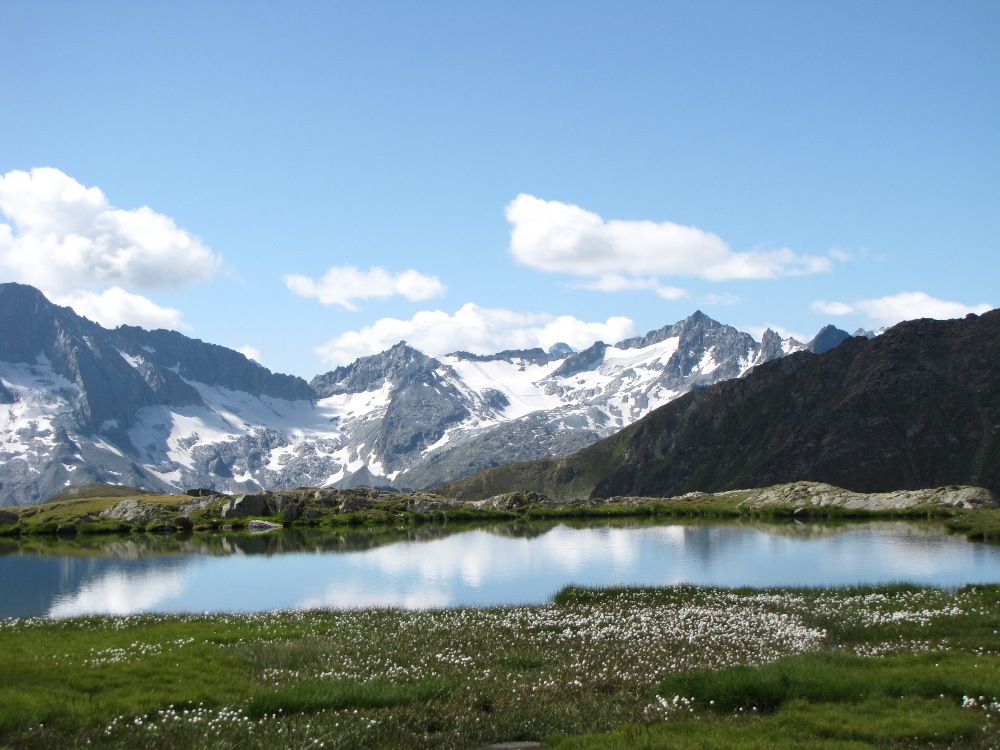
(399, 365)
(828, 337)
(771, 346)
(588, 359)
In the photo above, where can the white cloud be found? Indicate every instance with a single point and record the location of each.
(889, 310)
(671, 292)
(64, 236)
(114, 307)
(340, 285)
(613, 282)
(832, 308)
(560, 237)
(474, 329)
(250, 352)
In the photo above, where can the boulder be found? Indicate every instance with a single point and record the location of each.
(327, 497)
(200, 492)
(7, 518)
(132, 511)
(511, 501)
(245, 506)
(432, 504)
(258, 526)
(184, 523)
(355, 502)
(199, 504)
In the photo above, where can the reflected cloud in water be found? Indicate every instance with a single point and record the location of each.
(507, 564)
(118, 592)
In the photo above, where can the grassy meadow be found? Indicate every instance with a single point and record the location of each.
(680, 667)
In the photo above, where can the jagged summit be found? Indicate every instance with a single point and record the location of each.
(162, 411)
(400, 363)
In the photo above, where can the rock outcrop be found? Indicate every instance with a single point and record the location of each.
(819, 495)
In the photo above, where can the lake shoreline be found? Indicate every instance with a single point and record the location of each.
(970, 510)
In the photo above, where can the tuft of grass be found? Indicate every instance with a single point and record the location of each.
(520, 661)
(838, 677)
(311, 696)
(801, 725)
(982, 525)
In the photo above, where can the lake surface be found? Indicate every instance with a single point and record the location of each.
(437, 566)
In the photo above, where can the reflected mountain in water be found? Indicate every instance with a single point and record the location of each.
(462, 564)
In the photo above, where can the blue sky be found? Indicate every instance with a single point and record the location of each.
(313, 181)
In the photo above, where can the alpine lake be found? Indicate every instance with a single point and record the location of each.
(451, 565)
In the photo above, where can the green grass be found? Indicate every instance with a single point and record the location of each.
(980, 525)
(881, 666)
(899, 723)
(310, 696)
(826, 677)
(823, 700)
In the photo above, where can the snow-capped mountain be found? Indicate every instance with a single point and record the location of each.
(80, 403)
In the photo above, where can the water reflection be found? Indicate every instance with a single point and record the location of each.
(439, 566)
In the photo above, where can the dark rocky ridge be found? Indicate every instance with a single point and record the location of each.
(917, 407)
(208, 363)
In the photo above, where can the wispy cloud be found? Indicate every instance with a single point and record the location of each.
(721, 299)
(891, 309)
(475, 329)
(613, 282)
(342, 285)
(563, 238)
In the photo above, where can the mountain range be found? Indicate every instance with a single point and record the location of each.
(916, 407)
(83, 404)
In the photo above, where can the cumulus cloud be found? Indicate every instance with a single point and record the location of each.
(341, 285)
(474, 329)
(114, 307)
(889, 310)
(64, 236)
(560, 237)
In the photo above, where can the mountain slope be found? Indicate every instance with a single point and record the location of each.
(918, 406)
(155, 409)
